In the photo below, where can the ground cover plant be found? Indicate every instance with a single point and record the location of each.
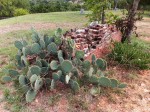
(131, 55)
(49, 60)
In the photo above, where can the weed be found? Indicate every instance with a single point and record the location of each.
(78, 103)
(6, 93)
(54, 99)
(132, 76)
(16, 107)
(131, 56)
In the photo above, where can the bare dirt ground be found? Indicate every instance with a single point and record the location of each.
(134, 98)
(143, 29)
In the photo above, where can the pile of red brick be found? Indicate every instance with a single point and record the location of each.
(95, 39)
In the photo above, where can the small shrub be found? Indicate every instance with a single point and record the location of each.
(49, 60)
(131, 55)
(20, 12)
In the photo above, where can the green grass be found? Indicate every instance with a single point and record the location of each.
(146, 14)
(7, 48)
(53, 17)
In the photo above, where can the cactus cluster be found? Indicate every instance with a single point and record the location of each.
(51, 59)
(94, 74)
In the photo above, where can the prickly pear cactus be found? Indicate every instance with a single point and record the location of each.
(51, 59)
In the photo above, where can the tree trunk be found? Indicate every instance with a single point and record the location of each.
(131, 19)
(115, 4)
(103, 16)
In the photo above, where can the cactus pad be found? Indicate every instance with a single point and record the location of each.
(35, 36)
(66, 66)
(38, 84)
(23, 80)
(58, 32)
(79, 54)
(58, 40)
(52, 48)
(46, 40)
(44, 63)
(18, 45)
(24, 43)
(24, 61)
(6, 79)
(75, 86)
(54, 65)
(13, 73)
(114, 83)
(94, 79)
(101, 64)
(26, 50)
(86, 65)
(35, 70)
(42, 44)
(30, 95)
(105, 82)
(36, 48)
(122, 85)
(61, 59)
(75, 72)
(56, 76)
(33, 78)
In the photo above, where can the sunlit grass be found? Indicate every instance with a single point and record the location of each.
(53, 17)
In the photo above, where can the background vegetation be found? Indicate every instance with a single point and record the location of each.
(11, 8)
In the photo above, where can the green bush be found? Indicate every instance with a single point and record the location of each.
(145, 4)
(146, 7)
(20, 11)
(6, 8)
(53, 6)
(131, 55)
(74, 7)
(24, 4)
(9, 8)
(49, 60)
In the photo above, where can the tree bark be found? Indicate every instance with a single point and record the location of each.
(103, 16)
(115, 4)
(131, 19)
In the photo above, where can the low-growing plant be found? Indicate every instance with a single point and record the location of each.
(20, 12)
(49, 60)
(131, 55)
